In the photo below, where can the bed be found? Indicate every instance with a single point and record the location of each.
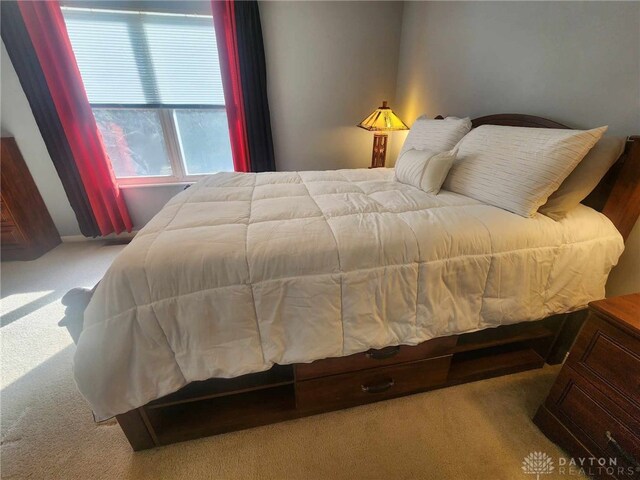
(253, 298)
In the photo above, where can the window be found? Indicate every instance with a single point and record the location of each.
(154, 84)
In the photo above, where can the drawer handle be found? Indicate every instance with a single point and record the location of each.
(384, 353)
(378, 387)
(623, 453)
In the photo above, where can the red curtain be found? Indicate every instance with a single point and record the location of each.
(224, 20)
(48, 33)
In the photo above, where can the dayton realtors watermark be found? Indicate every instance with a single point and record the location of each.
(541, 464)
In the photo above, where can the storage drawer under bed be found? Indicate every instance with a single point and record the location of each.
(376, 358)
(367, 386)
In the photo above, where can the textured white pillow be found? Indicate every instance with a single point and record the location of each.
(436, 135)
(584, 178)
(424, 169)
(517, 168)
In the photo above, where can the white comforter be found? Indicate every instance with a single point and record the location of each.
(242, 271)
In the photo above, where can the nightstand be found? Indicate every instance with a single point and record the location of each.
(593, 409)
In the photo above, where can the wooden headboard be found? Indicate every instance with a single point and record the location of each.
(618, 193)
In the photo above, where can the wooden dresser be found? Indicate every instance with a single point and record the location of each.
(593, 409)
(26, 228)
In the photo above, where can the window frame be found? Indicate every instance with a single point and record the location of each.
(166, 112)
(172, 143)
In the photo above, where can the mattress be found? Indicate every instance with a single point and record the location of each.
(242, 271)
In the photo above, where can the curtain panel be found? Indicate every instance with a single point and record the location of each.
(48, 36)
(24, 59)
(244, 77)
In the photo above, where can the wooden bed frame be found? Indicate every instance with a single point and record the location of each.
(292, 391)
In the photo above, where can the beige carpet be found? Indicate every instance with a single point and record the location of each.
(477, 431)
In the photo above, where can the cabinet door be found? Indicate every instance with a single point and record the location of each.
(10, 234)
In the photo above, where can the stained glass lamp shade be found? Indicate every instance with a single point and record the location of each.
(381, 121)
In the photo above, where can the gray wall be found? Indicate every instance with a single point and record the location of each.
(329, 65)
(574, 62)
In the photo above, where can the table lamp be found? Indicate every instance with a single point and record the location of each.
(381, 121)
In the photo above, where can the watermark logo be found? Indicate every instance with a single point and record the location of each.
(537, 463)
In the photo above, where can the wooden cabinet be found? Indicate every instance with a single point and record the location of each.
(593, 409)
(26, 228)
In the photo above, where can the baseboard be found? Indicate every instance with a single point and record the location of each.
(81, 238)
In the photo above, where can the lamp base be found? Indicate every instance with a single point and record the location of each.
(379, 154)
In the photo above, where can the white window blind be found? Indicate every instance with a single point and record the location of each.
(144, 58)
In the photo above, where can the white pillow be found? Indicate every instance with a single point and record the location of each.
(436, 135)
(424, 169)
(517, 168)
(584, 178)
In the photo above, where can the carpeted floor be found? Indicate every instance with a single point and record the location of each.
(480, 430)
